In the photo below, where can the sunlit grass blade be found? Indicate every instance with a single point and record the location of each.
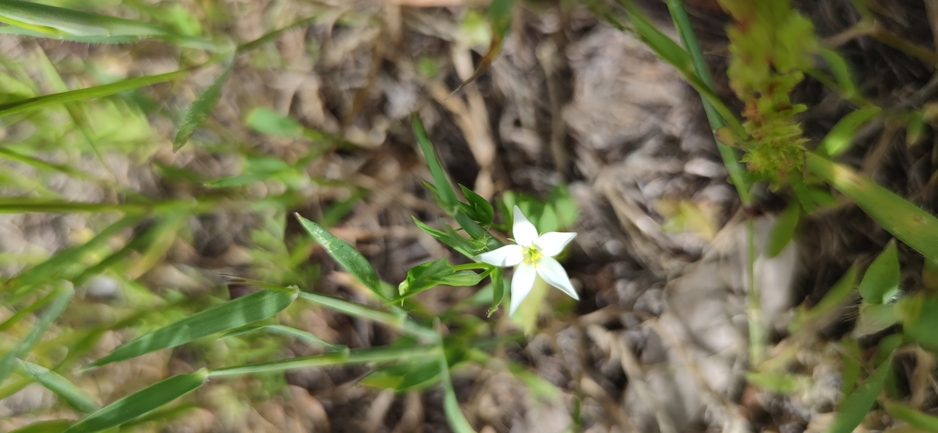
(350, 259)
(62, 387)
(840, 137)
(398, 321)
(59, 265)
(928, 423)
(857, 405)
(88, 93)
(202, 108)
(354, 356)
(220, 318)
(54, 426)
(8, 361)
(906, 221)
(444, 187)
(881, 279)
(55, 20)
(299, 334)
(140, 402)
(23, 313)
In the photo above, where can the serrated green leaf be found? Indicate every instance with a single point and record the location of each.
(443, 186)
(140, 402)
(784, 229)
(881, 279)
(350, 259)
(907, 222)
(478, 208)
(915, 418)
(62, 387)
(220, 318)
(24, 346)
(840, 137)
(201, 108)
(857, 405)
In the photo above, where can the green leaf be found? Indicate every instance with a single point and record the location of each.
(498, 289)
(55, 20)
(354, 356)
(479, 209)
(881, 280)
(54, 426)
(399, 321)
(24, 346)
(443, 186)
(201, 108)
(350, 259)
(224, 317)
(457, 420)
(840, 137)
(20, 31)
(784, 229)
(62, 387)
(428, 275)
(88, 93)
(907, 222)
(270, 122)
(876, 317)
(920, 319)
(660, 43)
(915, 418)
(781, 383)
(465, 246)
(140, 402)
(404, 376)
(857, 405)
(830, 304)
(299, 334)
(841, 71)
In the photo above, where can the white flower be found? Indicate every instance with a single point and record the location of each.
(532, 256)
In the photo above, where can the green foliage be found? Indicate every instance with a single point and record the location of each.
(62, 387)
(770, 45)
(881, 281)
(428, 275)
(201, 108)
(784, 229)
(858, 403)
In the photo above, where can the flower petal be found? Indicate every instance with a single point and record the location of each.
(551, 271)
(523, 231)
(508, 255)
(521, 283)
(553, 243)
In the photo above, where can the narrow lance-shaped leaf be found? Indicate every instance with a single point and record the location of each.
(443, 186)
(498, 289)
(202, 108)
(840, 137)
(857, 405)
(54, 426)
(457, 420)
(784, 229)
(915, 418)
(399, 321)
(354, 356)
(64, 295)
(55, 20)
(88, 93)
(224, 317)
(350, 259)
(881, 280)
(906, 221)
(425, 276)
(140, 402)
(62, 387)
(299, 334)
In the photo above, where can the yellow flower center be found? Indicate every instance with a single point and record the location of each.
(531, 255)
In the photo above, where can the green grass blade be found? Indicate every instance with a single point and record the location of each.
(857, 405)
(54, 426)
(299, 334)
(88, 93)
(201, 108)
(398, 321)
(140, 402)
(784, 229)
(881, 279)
(355, 356)
(454, 416)
(220, 318)
(349, 258)
(840, 137)
(21, 314)
(915, 418)
(62, 387)
(63, 296)
(498, 289)
(55, 20)
(20, 31)
(444, 187)
(909, 223)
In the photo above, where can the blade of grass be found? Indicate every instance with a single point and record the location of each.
(89, 93)
(454, 416)
(63, 296)
(915, 418)
(906, 221)
(444, 187)
(21, 314)
(62, 387)
(354, 356)
(299, 334)
(202, 107)
(220, 318)
(140, 402)
(55, 20)
(54, 426)
(397, 321)
(350, 259)
(857, 404)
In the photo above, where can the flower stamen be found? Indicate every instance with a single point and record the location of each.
(531, 255)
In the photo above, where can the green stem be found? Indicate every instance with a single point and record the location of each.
(355, 356)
